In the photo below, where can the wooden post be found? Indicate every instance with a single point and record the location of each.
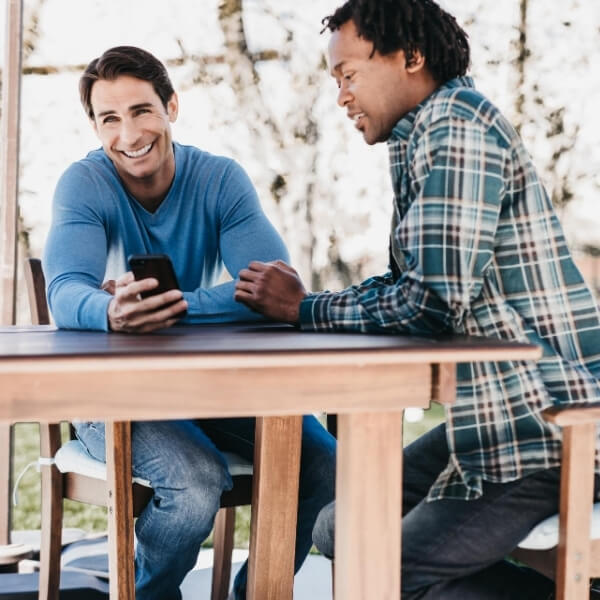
(272, 529)
(120, 511)
(5, 475)
(368, 523)
(576, 501)
(9, 161)
(443, 383)
(11, 96)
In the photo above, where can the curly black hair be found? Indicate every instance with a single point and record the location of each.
(409, 25)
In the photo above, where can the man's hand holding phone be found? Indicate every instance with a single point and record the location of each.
(145, 303)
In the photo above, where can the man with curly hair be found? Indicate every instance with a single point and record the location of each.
(475, 248)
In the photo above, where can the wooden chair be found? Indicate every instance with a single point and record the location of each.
(566, 547)
(80, 486)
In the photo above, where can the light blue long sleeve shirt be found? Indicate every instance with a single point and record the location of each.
(211, 218)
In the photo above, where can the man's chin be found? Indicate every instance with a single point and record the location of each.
(370, 140)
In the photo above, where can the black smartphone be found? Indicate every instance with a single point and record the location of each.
(158, 266)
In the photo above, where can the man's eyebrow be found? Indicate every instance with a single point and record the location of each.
(132, 108)
(105, 112)
(140, 105)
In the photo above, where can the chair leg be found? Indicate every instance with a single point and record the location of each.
(120, 510)
(52, 513)
(333, 579)
(5, 473)
(223, 548)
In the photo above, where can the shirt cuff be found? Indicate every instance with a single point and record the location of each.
(313, 313)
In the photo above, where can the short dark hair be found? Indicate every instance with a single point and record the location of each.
(409, 25)
(125, 60)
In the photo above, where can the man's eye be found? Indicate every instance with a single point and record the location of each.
(109, 119)
(140, 111)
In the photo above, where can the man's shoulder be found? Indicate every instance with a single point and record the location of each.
(93, 164)
(196, 166)
(459, 102)
(197, 157)
(464, 104)
(90, 181)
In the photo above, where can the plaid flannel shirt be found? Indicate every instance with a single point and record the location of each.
(476, 248)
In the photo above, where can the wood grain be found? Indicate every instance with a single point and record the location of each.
(140, 394)
(5, 477)
(576, 499)
(572, 416)
(52, 513)
(224, 531)
(120, 510)
(9, 160)
(443, 383)
(274, 508)
(368, 522)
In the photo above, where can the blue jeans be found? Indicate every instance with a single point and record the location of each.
(188, 474)
(455, 549)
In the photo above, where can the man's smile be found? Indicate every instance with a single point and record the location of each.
(137, 153)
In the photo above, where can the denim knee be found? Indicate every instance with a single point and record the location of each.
(195, 491)
(324, 531)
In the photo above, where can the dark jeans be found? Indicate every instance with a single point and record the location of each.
(188, 473)
(455, 549)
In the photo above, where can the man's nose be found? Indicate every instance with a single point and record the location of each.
(129, 133)
(344, 96)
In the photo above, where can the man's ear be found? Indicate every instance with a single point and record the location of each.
(416, 62)
(173, 107)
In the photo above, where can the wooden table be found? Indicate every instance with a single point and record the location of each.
(276, 373)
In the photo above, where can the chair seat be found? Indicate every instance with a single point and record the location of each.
(72, 457)
(545, 534)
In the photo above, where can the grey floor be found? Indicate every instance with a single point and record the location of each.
(312, 582)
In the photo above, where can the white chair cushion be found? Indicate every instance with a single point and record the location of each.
(545, 534)
(72, 457)
(237, 465)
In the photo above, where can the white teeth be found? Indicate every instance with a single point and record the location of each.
(358, 116)
(139, 152)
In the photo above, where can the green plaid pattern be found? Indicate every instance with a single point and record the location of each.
(476, 248)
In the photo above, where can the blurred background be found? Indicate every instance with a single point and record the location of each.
(253, 85)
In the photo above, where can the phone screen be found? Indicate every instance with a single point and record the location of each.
(159, 267)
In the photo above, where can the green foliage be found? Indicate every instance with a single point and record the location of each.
(26, 515)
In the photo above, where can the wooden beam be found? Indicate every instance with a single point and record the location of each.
(11, 96)
(9, 171)
(5, 477)
(576, 500)
(368, 524)
(120, 510)
(273, 530)
(576, 415)
(443, 383)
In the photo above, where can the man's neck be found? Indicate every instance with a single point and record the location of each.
(147, 192)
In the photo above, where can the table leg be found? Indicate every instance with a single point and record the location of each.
(369, 506)
(274, 508)
(120, 511)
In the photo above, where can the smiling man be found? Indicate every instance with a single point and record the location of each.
(142, 193)
(475, 248)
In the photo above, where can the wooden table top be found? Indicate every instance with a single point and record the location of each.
(46, 342)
